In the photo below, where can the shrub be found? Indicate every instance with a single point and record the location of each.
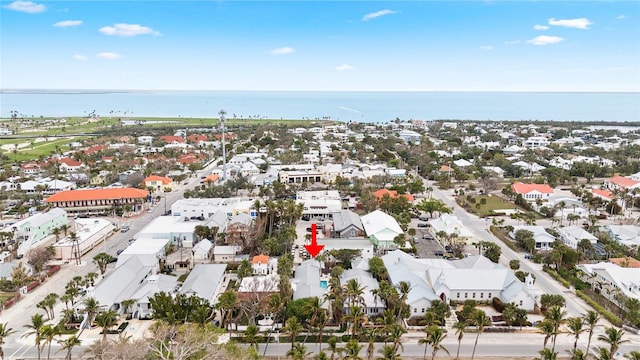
(597, 307)
(556, 276)
(497, 304)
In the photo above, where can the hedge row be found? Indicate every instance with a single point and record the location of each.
(604, 312)
(557, 276)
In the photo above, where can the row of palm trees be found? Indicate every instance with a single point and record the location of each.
(555, 318)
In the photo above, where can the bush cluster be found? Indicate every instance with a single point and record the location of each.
(604, 312)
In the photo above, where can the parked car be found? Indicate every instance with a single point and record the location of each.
(423, 225)
(427, 237)
(527, 256)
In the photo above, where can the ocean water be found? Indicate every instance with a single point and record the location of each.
(343, 106)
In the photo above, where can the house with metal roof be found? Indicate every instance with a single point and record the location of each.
(347, 224)
(381, 229)
(205, 281)
(307, 282)
(572, 235)
(475, 278)
(36, 229)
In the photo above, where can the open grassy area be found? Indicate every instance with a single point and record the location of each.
(493, 203)
(36, 149)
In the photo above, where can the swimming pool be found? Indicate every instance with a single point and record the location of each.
(323, 284)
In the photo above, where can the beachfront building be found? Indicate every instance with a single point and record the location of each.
(307, 282)
(98, 200)
(35, 230)
(472, 278)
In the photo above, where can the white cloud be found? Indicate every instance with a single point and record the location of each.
(122, 29)
(486, 47)
(108, 56)
(377, 14)
(512, 42)
(540, 27)
(545, 40)
(68, 23)
(581, 23)
(344, 67)
(621, 16)
(26, 6)
(79, 57)
(283, 51)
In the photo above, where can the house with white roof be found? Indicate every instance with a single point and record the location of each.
(319, 203)
(475, 277)
(611, 279)
(535, 142)
(452, 226)
(371, 304)
(202, 251)
(205, 281)
(135, 279)
(628, 235)
(543, 239)
(573, 235)
(363, 245)
(307, 282)
(381, 229)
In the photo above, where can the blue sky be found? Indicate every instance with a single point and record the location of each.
(321, 45)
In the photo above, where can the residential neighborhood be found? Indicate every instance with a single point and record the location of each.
(457, 227)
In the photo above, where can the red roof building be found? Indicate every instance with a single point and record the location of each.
(97, 200)
(158, 183)
(532, 192)
(603, 194)
(170, 139)
(621, 182)
(95, 149)
(392, 194)
(196, 138)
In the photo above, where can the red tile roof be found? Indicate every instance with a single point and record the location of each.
(195, 137)
(603, 193)
(169, 139)
(98, 194)
(628, 262)
(392, 193)
(446, 168)
(70, 162)
(211, 178)
(95, 148)
(521, 188)
(623, 181)
(165, 180)
(260, 259)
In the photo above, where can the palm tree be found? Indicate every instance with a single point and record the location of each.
(37, 322)
(613, 337)
(479, 319)
(355, 316)
(577, 354)
(293, 328)
(226, 303)
(436, 335)
(556, 316)
(318, 317)
(5, 331)
(354, 292)
(426, 341)
(547, 329)
(102, 260)
(91, 278)
(370, 334)
(68, 344)
(634, 355)
(251, 336)
(333, 346)
(547, 354)
(49, 333)
(298, 352)
(604, 354)
(106, 320)
(575, 325)
(389, 353)
(591, 319)
(274, 306)
(91, 307)
(352, 350)
(460, 327)
(395, 336)
(126, 305)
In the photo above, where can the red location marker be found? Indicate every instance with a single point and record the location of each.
(314, 248)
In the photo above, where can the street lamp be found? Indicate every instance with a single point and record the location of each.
(222, 113)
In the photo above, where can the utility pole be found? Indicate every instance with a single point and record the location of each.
(222, 113)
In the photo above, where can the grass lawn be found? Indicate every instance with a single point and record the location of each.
(493, 203)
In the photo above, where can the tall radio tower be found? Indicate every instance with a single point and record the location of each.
(222, 113)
